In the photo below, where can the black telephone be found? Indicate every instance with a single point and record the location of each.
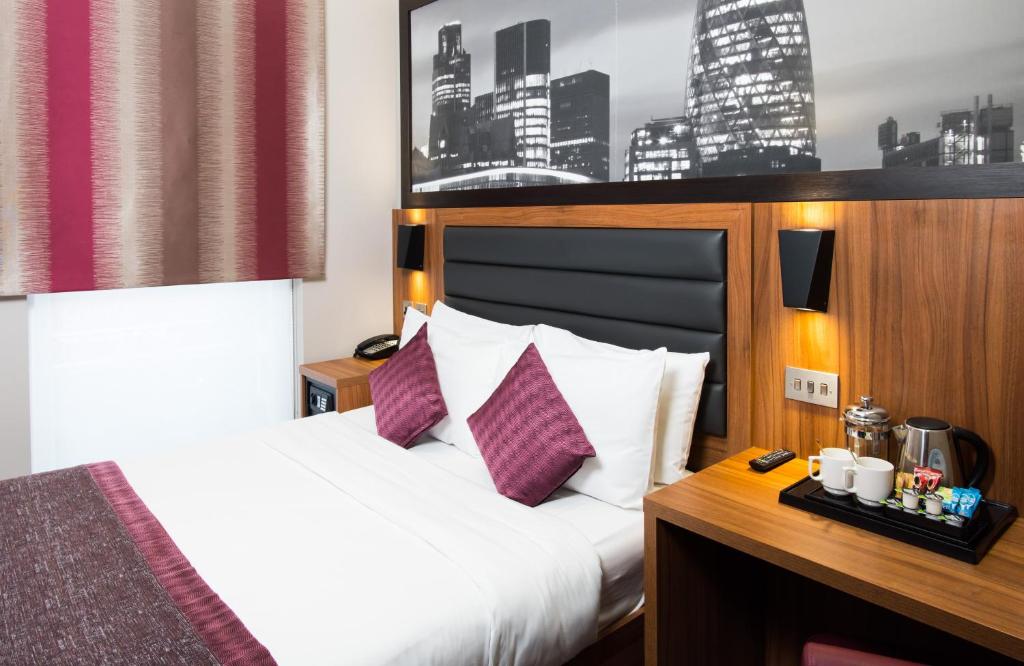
(377, 348)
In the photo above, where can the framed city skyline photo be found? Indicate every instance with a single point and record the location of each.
(601, 101)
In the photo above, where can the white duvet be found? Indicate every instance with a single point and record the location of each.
(335, 547)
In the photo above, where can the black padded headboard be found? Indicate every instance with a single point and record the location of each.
(638, 288)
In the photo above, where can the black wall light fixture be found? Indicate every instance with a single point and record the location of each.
(805, 256)
(411, 239)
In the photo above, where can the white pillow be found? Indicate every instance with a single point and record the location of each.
(614, 394)
(411, 324)
(677, 409)
(472, 356)
(465, 371)
(677, 413)
(467, 324)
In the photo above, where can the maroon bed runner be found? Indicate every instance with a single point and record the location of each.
(88, 575)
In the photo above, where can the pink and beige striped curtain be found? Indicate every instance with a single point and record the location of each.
(156, 142)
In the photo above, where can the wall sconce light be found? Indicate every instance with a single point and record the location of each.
(805, 256)
(411, 242)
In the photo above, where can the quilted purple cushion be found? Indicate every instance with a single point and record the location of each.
(406, 394)
(527, 434)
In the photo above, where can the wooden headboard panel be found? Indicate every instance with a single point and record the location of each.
(735, 219)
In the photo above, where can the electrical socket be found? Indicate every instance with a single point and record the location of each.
(422, 307)
(812, 386)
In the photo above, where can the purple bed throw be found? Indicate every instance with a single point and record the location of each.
(88, 575)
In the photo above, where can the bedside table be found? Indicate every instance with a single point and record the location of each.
(734, 577)
(345, 378)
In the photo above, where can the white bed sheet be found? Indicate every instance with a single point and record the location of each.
(334, 547)
(617, 534)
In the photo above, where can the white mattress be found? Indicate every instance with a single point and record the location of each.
(617, 534)
(334, 547)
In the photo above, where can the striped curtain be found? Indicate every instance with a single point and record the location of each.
(157, 142)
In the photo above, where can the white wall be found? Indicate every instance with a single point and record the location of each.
(363, 167)
(14, 412)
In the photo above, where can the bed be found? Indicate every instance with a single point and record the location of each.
(333, 546)
(318, 542)
(326, 564)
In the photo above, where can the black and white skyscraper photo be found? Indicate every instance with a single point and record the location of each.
(750, 90)
(584, 91)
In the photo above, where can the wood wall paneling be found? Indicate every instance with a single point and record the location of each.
(416, 286)
(785, 336)
(925, 315)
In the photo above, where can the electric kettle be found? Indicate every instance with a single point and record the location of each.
(927, 442)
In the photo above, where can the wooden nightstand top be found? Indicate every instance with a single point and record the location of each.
(340, 371)
(738, 507)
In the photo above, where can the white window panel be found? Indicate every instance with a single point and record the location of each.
(137, 372)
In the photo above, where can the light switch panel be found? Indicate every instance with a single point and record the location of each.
(812, 386)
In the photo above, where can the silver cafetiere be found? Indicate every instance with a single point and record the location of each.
(867, 429)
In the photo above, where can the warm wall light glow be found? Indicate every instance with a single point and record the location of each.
(417, 287)
(814, 336)
(416, 215)
(816, 215)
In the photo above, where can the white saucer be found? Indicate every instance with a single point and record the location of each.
(835, 493)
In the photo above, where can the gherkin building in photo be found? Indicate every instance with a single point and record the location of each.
(750, 91)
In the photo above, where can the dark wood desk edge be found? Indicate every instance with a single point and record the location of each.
(967, 629)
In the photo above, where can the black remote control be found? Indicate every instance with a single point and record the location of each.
(770, 461)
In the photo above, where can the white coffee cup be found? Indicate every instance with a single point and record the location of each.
(870, 479)
(830, 469)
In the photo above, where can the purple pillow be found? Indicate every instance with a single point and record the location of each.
(406, 393)
(527, 434)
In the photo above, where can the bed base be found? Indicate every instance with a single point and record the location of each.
(621, 644)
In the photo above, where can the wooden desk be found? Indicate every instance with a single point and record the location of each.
(348, 377)
(732, 576)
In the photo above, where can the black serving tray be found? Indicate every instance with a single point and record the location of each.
(968, 543)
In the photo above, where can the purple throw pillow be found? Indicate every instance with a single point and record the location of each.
(527, 434)
(406, 393)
